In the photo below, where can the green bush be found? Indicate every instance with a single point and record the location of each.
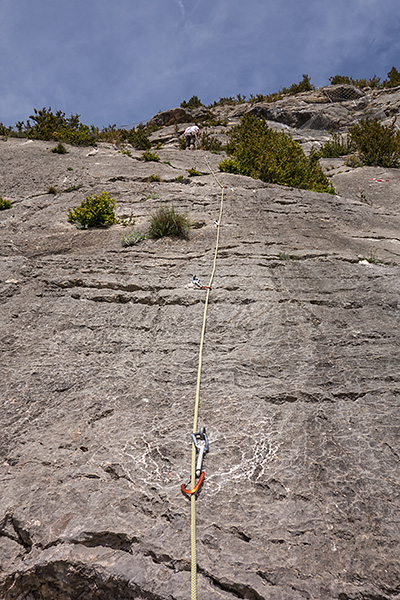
(166, 222)
(150, 156)
(340, 79)
(211, 121)
(4, 130)
(360, 83)
(374, 82)
(60, 149)
(224, 101)
(152, 196)
(394, 78)
(194, 172)
(49, 126)
(95, 211)
(4, 204)
(338, 146)
(272, 156)
(376, 144)
(304, 85)
(138, 138)
(194, 102)
(153, 178)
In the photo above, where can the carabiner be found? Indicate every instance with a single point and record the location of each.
(196, 487)
(200, 440)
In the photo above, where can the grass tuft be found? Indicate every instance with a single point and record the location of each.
(167, 222)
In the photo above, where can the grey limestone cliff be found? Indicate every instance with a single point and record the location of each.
(300, 383)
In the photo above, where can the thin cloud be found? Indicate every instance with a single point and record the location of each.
(180, 4)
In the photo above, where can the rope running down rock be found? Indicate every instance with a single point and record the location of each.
(193, 561)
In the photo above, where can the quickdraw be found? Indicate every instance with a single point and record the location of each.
(200, 441)
(196, 282)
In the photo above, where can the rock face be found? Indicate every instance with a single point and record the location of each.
(179, 115)
(335, 107)
(299, 393)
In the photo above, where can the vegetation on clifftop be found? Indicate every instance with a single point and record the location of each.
(376, 144)
(393, 80)
(47, 125)
(272, 156)
(369, 142)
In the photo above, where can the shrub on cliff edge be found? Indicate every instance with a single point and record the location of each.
(272, 156)
(376, 144)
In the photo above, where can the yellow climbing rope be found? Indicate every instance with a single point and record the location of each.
(193, 561)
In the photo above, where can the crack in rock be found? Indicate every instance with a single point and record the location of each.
(238, 590)
(11, 528)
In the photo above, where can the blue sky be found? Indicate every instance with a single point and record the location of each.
(121, 61)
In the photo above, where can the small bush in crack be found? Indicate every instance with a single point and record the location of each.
(59, 149)
(166, 222)
(73, 188)
(150, 156)
(95, 211)
(4, 204)
(194, 172)
(125, 152)
(373, 259)
(132, 239)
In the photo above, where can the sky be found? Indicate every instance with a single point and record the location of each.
(121, 61)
